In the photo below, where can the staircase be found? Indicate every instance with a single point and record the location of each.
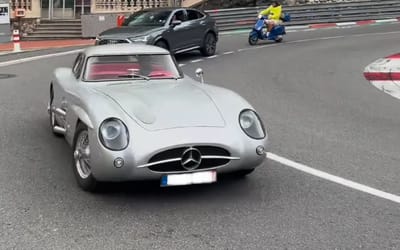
(56, 29)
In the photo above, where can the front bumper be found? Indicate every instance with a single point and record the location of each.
(136, 157)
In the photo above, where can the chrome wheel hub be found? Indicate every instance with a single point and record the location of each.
(82, 155)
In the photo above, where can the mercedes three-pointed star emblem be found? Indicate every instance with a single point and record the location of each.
(191, 158)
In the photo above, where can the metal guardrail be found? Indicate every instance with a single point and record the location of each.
(242, 18)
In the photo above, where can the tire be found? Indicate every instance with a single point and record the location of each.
(209, 45)
(244, 172)
(81, 162)
(253, 39)
(279, 39)
(162, 44)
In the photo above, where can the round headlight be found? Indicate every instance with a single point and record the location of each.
(111, 130)
(114, 134)
(251, 124)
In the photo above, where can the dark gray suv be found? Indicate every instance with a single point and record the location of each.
(176, 29)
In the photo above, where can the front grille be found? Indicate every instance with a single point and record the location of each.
(112, 41)
(218, 158)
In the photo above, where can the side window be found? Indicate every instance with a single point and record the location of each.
(193, 15)
(77, 68)
(179, 15)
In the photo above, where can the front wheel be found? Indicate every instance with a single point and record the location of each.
(253, 39)
(81, 156)
(209, 45)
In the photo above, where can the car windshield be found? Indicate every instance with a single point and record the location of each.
(148, 18)
(131, 67)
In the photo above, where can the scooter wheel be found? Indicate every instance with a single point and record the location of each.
(253, 40)
(278, 40)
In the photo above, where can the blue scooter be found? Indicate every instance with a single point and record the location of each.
(276, 33)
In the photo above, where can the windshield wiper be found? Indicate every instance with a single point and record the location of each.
(134, 76)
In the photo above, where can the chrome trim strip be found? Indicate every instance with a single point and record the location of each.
(59, 112)
(159, 162)
(179, 159)
(220, 157)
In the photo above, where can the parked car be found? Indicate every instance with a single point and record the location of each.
(129, 113)
(176, 29)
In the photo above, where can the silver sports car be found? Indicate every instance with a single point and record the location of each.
(129, 113)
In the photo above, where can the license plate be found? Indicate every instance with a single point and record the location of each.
(189, 178)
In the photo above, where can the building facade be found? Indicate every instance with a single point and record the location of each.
(70, 9)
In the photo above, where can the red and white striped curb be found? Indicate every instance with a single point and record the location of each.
(329, 25)
(384, 74)
(343, 24)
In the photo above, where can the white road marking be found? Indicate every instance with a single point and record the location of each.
(181, 64)
(258, 47)
(333, 178)
(214, 56)
(196, 61)
(228, 52)
(346, 24)
(34, 58)
(386, 20)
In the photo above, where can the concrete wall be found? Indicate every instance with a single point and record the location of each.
(93, 24)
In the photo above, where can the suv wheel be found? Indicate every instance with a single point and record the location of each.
(209, 45)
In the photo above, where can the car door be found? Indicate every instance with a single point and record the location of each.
(198, 25)
(178, 36)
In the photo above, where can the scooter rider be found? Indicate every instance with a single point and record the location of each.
(274, 12)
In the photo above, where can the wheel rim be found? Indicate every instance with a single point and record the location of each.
(82, 155)
(210, 44)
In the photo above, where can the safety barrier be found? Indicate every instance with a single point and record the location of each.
(237, 18)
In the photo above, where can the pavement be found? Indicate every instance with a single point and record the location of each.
(319, 110)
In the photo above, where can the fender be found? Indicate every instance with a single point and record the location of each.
(158, 38)
(76, 114)
(213, 32)
(82, 116)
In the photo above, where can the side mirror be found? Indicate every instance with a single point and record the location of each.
(176, 22)
(200, 74)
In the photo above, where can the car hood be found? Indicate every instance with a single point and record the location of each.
(166, 104)
(131, 31)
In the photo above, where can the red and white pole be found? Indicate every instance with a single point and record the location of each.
(16, 39)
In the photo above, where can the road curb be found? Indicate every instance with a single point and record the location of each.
(384, 74)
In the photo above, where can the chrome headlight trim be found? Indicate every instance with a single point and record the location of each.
(251, 124)
(139, 39)
(114, 134)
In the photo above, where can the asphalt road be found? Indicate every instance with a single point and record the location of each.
(319, 111)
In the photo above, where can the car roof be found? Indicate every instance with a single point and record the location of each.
(124, 49)
(168, 8)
